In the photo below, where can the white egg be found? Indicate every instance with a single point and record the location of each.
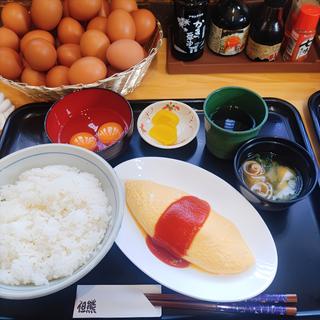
(5, 105)
(2, 120)
(8, 112)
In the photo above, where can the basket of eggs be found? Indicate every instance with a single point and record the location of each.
(49, 48)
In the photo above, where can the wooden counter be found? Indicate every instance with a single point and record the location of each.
(158, 84)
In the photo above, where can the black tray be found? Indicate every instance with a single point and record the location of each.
(314, 108)
(295, 232)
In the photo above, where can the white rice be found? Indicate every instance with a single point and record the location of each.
(51, 221)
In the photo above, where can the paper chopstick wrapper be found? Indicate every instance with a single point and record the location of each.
(115, 301)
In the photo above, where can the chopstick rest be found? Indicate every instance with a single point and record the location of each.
(115, 301)
(272, 304)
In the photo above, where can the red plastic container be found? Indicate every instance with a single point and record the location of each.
(300, 38)
(86, 111)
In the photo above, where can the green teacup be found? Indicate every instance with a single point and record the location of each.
(233, 115)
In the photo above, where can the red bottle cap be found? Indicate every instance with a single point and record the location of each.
(308, 17)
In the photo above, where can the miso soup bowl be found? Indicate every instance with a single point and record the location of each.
(291, 154)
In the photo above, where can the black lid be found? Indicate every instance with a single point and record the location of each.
(275, 3)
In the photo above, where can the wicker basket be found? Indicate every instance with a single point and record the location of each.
(122, 82)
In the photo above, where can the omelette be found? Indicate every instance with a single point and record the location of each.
(187, 227)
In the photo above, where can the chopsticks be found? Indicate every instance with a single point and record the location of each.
(273, 304)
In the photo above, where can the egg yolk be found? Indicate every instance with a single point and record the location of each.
(85, 140)
(110, 132)
(164, 128)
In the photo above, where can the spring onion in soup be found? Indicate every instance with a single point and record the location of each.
(269, 178)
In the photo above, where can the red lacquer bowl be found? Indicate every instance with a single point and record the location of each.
(85, 111)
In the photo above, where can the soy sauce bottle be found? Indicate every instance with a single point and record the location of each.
(266, 32)
(229, 27)
(188, 36)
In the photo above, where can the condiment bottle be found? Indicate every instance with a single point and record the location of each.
(188, 36)
(229, 27)
(303, 31)
(266, 32)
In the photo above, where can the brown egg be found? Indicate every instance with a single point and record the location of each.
(57, 76)
(145, 23)
(120, 25)
(25, 64)
(40, 54)
(65, 4)
(16, 17)
(10, 63)
(36, 34)
(125, 53)
(9, 39)
(33, 78)
(84, 10)
(112, 71)
(46, 14)
(68, 53)
(105, 9)
(98, 23)
(87, 70)
(127, 5)
(94, 43)
(70, 31)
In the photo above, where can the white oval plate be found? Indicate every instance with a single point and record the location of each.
(224, 199)
(187, 128)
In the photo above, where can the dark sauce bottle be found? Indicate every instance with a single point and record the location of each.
(188, 34)
(266, 32)
(229, 27)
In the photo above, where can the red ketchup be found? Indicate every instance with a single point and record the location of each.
(176, 229)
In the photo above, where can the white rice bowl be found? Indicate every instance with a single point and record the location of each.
(60, 212)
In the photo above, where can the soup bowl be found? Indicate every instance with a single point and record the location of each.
(286, 152)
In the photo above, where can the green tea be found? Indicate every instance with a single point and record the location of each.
(233, 118)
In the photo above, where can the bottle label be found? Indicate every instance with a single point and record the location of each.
(304, 47)
(298, 47)
(259, 51)
(191, 33)
(227, 42)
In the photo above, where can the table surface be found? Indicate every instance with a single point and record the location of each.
(158, 84)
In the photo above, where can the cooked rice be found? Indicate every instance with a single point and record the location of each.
(52, 220)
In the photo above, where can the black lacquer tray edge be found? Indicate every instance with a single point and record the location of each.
(315, 114)
(199, 102)
(288, 105)
(12, 115)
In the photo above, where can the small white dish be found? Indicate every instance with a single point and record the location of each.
(187, 128)
(224, 199)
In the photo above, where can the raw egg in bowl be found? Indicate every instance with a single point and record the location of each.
(96, 119)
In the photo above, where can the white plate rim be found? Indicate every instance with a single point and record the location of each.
(223, 298)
